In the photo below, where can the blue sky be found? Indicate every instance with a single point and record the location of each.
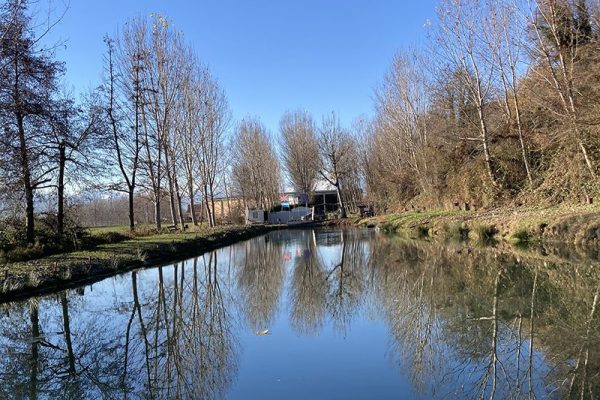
(270, 56)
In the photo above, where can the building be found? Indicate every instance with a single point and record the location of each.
(227, 210)
(324, 198)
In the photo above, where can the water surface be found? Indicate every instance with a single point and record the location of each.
(350, 314)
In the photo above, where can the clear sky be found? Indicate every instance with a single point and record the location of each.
(270, 56)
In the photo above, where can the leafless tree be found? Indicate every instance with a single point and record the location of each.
(123, 90)
(559, 44)
(298, 147)
(213, 124)
(338, 156)
(459, 42)
(403, 103)
(255, 166)
(27, 85)
(163, 70)
(75, 135)
(505, 34)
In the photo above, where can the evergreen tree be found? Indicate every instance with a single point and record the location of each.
(28, 78)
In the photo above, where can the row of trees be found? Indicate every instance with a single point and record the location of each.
(154, 128)
(309, 155)
(167, 118)
(500, 105)
(157, 128)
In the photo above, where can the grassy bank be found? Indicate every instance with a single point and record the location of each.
(24, 279)
(575, 225)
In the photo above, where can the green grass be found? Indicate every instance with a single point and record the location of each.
(574, 224)
(134, 244)
(106, 259)
(412, 222)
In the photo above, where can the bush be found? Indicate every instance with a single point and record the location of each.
(25, 253)
(522, 236)
(14, 246)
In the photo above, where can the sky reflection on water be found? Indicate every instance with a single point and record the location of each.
(350, 314)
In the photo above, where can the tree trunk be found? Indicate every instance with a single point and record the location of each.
(67, 331)
(193, 207)
(588, 161)
(171, 187)
(178, 198)
(172, 204)
(60, 215)
(209, 215)
(157, 216)
(131, 211)
(340, 201)
(212, 203)
(521, 138)
(486, 148)
(27, 185)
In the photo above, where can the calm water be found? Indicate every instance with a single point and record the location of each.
(350, 315)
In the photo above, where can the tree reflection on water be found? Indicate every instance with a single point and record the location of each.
(462, 322)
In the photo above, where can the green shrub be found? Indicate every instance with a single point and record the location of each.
(522, 236)
(14, 246)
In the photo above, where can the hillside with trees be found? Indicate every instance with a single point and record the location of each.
(500, 107)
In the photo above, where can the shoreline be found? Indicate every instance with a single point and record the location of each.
(579, 226)
(23, 280)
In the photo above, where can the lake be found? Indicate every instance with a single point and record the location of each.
(326, 313)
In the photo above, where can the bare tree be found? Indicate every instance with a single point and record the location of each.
(298, 146)
(75, 132)
(255, 166)
(559, 42)
(338, 156)
(163, 71)
(505, 34)
(459, 42)
(27, 85)
(123, 89)
(188, 139)
(402, 104)
(213, 124)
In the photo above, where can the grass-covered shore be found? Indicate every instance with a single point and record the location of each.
(124, 253)
(568, 225)
(119, 251)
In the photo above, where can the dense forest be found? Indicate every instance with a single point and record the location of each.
(498, 107)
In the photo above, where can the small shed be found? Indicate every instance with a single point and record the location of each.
(256, 216)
